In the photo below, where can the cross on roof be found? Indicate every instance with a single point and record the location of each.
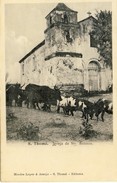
(89, 13)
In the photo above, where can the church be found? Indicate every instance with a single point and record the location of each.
(67, 56)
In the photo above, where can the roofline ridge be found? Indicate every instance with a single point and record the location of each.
(33, 50)
(69, 9)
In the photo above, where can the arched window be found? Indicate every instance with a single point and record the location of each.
(93, 66)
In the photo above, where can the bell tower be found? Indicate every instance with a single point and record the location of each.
(61, 32)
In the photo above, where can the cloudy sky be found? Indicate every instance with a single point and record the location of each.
(25, 25)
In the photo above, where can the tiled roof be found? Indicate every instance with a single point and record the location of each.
(61, 7)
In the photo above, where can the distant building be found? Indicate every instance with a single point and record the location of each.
(68, 54)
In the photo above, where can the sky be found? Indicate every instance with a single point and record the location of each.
(25, 25)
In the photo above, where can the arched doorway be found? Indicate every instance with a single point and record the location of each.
(94, 76)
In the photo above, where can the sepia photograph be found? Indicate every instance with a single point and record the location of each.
(59, 72)
(57, 112)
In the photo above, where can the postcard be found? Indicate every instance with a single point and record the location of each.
(58, 91)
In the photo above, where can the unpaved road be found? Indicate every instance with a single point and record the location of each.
(55, 127)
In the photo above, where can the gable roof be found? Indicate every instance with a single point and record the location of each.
(63, 7)
(90, 17)
(33, 50)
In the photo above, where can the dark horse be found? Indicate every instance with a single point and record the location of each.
(12, 93)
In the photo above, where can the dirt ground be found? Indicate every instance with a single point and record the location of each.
(34, 125)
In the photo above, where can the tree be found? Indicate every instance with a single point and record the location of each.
(102, 34)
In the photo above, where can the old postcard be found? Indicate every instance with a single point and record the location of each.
(58, 90)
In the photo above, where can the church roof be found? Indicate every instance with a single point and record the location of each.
(90, 17)
(32, 51)
(62, 7)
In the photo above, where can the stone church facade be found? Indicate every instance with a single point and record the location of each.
(67, 56)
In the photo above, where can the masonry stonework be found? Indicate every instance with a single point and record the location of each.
(66, 56)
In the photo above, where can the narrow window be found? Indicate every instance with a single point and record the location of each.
(68, 38)
(23, 68)
(65, 18)
(51, 69)
(50, 20)
(34, 63)
(84, 28)
(92, 41)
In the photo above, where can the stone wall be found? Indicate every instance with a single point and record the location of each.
(59, 16)
(33, 66)
(68, 71)
(62, 71)
(61, 38)
(83, 41)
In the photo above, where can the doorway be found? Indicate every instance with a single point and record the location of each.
(94, 76)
